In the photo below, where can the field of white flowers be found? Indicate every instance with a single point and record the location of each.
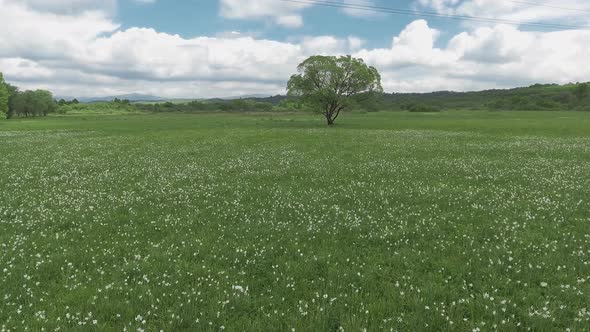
(189, 222)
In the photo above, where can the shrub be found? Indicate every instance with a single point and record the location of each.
(423, 108)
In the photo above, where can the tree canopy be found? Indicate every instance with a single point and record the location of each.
(4, 95)
(332, 83)
(32, 103)
(28, 103)
(582, 90)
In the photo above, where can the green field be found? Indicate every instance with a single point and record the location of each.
(399, 221)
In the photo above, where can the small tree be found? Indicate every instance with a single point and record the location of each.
(19, 104)
(4, 96)
(44, 102)
(12, 93)
(332, 83)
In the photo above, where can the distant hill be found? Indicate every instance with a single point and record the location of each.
(131, 97)
(534, 97)
(137, 97)
(255, 96)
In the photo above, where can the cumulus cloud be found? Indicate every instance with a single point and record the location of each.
(414, 46)
(88, 54)
(283, 13)
(60, 33)
(89, 49)
(286, 14)
(550, 11)
(65, 6)
(487, 57)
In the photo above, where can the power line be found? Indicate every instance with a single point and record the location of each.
(327, 3)
(549, 6)
(434, 14)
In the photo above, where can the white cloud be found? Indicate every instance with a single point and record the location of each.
(283, 13)
(290, 21)
(74, 51)
(355, 43)
(413, 47)
(65, 6)
(22, 35)
(87, 53)
(25, 70)
(328, 45)
(497, 57)
(502, 44)
(568, 12)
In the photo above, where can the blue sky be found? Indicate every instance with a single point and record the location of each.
(192, 18)
(216, 48)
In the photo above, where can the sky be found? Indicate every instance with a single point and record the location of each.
(222, 48)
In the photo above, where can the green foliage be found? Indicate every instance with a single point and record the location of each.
(122, 101)
(28, 103)
(20, 104)
(32, 103)
(45, 102)
(581, 91)
(13, 92)
(237, 105)
(422, 108)
(4, 95)
(538, 97)
(332, 83)
(113, 107)
(246, 105)
(293, 105)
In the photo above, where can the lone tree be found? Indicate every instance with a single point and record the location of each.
(333, 83)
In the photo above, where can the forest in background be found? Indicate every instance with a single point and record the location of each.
(538, 97)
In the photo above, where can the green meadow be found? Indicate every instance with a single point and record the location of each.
(396, 221)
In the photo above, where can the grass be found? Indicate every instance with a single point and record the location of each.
(389, 221)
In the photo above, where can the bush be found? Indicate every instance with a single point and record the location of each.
(422, 108)
(582, 108)
(97, 108)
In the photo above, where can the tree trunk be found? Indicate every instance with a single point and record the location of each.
(329, 118)
(330, 115)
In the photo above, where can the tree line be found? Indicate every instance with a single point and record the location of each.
(29, 103)
(213, 105)
(306, 91)
(537, 97)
